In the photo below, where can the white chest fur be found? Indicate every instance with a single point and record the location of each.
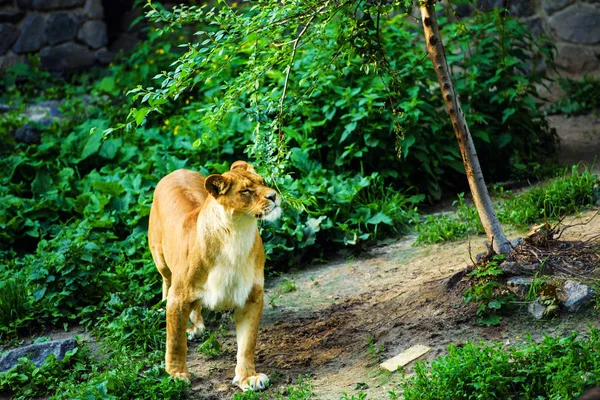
(230, 280)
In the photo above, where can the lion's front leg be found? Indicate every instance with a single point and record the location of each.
(246, 321)
(178, 312)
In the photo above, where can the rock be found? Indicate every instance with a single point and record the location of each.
(37, 353)
(453, 279)
(575, 59)
(66, 57)
(536, 27)
(519, 285)
(33, 34)
(47, 5)
(8, 35)
(577, 25)
(486, 5)
(104, 56)
(577, 295)
(522, 8)
(93, 9)
(464, 10)
(24, 4)
(512, 268)
(551, 6)
(93, 33)
(28, 134)
(61, 27)
(537, 310)
(11, 16)
(5, 108)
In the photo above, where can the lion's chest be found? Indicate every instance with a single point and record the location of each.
(231, 278)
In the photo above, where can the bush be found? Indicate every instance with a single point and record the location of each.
(556, 368)
(580, 96)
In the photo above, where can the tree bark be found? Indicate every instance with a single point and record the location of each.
(481, 197)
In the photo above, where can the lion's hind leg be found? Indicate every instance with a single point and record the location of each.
(194, 332)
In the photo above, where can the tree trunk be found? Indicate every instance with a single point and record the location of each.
(481, 197)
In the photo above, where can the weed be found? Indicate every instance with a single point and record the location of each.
(484, 290)
(288, 286)
(358, 396)
(15, 305)
(375, 352)
(211, 347)
(580, 97)
(301, 390)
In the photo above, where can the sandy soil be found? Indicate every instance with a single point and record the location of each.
(395, 295)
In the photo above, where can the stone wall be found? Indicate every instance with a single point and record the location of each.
(68, 35)
(573, 26)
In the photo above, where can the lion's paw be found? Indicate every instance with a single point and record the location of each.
(194, 333)
(254, 383)
(184, 376)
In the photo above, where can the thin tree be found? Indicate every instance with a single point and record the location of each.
(481, 197)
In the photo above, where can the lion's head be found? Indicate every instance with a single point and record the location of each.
(241, 191)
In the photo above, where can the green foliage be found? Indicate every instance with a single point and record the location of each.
(464, 221)
(360, 88)
(211, 347)
(301, 390)
(288, 286)
(556, 368)
(138, 330)
(486, 291)
(564, 195)
(580, 96)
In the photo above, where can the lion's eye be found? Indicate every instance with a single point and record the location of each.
(245, 191)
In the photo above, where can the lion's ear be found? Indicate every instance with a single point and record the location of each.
(242, 165)
(217, 185)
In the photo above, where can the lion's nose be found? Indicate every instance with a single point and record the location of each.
(271, 196)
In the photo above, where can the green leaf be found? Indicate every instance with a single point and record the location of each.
(92, 145)
(380, 218)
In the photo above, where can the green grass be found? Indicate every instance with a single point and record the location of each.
(557, 368)
(569, 193)
(448, 227)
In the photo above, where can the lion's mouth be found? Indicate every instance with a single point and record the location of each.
(271, 214)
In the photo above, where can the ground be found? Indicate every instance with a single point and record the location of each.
(394, 296)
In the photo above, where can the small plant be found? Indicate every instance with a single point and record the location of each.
(212, 347)
(301, 390)
(375, 352)
(15, 306)
(580, 97)
(485, 291)
(287, 286)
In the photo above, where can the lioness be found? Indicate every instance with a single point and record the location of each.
(204, 240)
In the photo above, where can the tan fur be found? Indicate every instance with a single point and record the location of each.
(204, 239)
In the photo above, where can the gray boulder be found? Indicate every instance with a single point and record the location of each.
(519, 285)
(8, 35)
(93, 33)
(577, 25)
(577, 295)
(37, 353)
(93, 9)
(11, 16)
(61, 27)
(537, 310)
(66, 57)
(33, 34)
(47, 5)
(551, 6)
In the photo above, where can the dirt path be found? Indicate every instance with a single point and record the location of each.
(394, 295)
